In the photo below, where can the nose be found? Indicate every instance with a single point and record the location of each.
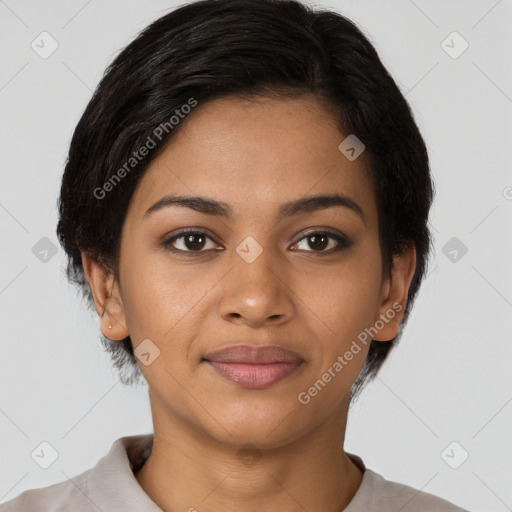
(257, 291)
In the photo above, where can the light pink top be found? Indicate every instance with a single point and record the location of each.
(110, 486)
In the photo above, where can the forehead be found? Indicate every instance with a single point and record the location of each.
(256, 155)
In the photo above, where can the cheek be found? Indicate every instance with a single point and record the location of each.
(342, 300)
(154, 299)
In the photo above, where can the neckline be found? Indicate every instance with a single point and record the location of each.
(139, 448)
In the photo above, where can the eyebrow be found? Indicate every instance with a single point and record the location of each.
(221, 209)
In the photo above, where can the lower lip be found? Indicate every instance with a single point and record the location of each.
(254, 376)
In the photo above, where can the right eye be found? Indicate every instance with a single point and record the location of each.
(190, 241)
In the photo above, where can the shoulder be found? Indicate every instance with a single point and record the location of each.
(387, 496)
(109, 484)
(59, 497)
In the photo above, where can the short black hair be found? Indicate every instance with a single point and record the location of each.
(212, 49)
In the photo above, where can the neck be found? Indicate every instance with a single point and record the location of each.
(189, 470)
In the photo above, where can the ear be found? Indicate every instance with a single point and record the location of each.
(394, 295)
(107, 299)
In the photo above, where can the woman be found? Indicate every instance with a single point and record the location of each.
(245, 204)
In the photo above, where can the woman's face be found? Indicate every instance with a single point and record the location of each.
(256, 276)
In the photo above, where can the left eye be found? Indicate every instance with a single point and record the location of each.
(319, 240)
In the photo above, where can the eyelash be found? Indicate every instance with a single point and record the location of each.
(343, 242)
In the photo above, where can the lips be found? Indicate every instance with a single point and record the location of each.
(254, 367)
(266, 354)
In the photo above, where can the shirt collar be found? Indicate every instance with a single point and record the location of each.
(112, 485)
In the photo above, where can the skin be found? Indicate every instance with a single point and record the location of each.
(255, 156)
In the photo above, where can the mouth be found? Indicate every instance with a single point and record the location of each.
(254, 367)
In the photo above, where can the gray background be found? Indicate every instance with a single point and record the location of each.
(449, 380)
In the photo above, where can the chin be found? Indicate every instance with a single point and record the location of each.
(264, 428)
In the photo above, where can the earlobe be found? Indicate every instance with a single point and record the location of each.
(107, 300)
(394, 301)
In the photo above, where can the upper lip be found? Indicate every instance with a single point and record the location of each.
(263, 354)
